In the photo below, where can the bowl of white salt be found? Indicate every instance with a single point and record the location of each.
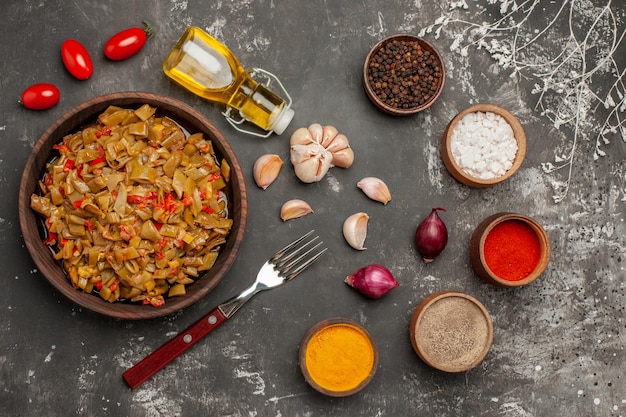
(483, 145)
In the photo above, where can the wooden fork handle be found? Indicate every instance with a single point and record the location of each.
(161, 357)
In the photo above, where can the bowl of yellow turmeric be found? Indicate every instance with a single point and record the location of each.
(133, 205)
(338, 357)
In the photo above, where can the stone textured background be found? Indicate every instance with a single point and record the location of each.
(559, 342)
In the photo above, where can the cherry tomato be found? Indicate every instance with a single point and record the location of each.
(127, 43)
(76, 59)
(40, 96)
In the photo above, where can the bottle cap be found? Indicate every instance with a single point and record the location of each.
(282, 120)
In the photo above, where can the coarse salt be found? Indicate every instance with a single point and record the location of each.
(483, 145)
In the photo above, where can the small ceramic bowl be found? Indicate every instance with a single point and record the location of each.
(85, 114)
(451, 331)
(455, 169)
(333, 349)
(477, 249)
(426, 76)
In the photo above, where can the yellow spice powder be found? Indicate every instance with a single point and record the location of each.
(339, 357)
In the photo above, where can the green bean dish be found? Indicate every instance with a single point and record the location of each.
(134, 207)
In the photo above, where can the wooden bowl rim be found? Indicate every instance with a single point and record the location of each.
(416, 320)
(75, 119)
(304, 345)
(382, 105)
(458, 172)
(477, 250)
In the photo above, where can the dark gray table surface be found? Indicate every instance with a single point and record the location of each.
(559, 343)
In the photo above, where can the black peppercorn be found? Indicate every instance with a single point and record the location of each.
(404, 74)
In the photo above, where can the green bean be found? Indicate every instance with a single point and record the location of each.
(133, 206)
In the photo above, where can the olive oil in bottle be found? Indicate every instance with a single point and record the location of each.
(206, 67)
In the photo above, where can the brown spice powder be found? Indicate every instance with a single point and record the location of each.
(453, 332)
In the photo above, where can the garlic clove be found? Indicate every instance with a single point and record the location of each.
(355, 230)
(295, 208)
(317, 132)
(329, 133)
(266, 169)
(343, 158)
(300, 153)
(375, 189)
(338, 143)
(308, 166)
(301, 136)
(339, 147)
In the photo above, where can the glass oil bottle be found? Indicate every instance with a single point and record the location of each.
(206, 67)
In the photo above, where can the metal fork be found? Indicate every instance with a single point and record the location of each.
(285, 265)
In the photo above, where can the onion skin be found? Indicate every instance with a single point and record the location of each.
(431, 236)
(373, 281)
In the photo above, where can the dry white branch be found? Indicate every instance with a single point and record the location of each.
(570, 81)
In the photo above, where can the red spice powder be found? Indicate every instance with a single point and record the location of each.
(512, 250)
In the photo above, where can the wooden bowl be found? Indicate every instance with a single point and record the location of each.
(455, 169)
(336, 357)
(451, 331)
(85, 114)
(378, 93)
(477, 249)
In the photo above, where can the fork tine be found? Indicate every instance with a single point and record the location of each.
(304, 265)
(289, 262)
(296, 250)
(286, 259)
(281, 252)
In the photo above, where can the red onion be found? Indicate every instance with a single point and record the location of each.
(431, 236)
(373, 281)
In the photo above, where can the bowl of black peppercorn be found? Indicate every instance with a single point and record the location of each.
(403, 74)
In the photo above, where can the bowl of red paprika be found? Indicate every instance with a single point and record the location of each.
(403, 74)
(509, 249)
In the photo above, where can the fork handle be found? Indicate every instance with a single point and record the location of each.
(161, 357)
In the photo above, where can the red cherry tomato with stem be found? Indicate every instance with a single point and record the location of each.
(127, 43)
(76, 59)
(40, 96)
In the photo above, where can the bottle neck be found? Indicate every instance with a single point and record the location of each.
(258, 104)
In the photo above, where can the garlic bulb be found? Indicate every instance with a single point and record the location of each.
(355, 230)
(266, 169)
(375, 189)
(314, 150)
(293, 209)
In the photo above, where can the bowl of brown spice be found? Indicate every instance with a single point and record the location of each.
(451, 331)
(403, 75)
